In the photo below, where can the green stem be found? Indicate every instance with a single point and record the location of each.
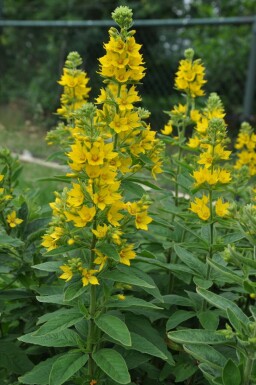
(92, 308)
(249, 364)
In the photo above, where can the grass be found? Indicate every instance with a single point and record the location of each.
(43, 190)
(19, 134)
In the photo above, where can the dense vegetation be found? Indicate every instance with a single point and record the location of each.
(33, 54)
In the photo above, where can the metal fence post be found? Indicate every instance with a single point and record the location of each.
(251, 76)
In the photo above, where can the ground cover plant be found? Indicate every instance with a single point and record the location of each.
(142, 270)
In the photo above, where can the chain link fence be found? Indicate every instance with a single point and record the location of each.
(33, 54)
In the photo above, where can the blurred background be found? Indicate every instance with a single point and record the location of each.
(37, 35)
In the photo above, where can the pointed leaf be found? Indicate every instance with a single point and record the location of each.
(119, 276)
(226, 272)
(49, 266)
(66, 366)
(206, 354)
(113, 364)
(198, 267)
(144, 346)
(223, 303)
(178, 317)
(115, 328)
(132, 302)
(197, 336)
(59, 323)
(208, 319)
(231, 374)
(39, 375)
(60, 339)
(109, 250)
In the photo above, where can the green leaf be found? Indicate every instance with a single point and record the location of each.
(129, 302)
(109, 250)
(113, 364)
(206, 284)
(61, 250)
(52, 267)
(39, 375)
(223, 303)
(184, 370)
(231, 374)
(206, 354)
(13, 294)
(66, 366)
(198, 267)
(234, 320)
(54, 298)
(60, 339)
(115, 328)
(154, 291)
(208, 319)
(118, 276)
(144, 346)
(144, 182)
(197, 336)
(8, 241)
(59, 323)
(225, 272)
(13, 358)
(74, 290)
(178, 317)
(174, 299)
(133, 188)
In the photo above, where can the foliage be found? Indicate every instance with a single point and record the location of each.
(118, 284)
(162, 47)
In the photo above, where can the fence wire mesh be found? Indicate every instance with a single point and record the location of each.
(32, 64)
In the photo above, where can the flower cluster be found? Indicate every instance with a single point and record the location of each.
(75, 95)
(189, 79)
(190, 75)
(75, 83)
(246, 146)
(106, 146)
(211, 176)
(9, 166)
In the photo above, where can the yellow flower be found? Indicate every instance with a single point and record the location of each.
(200, 208)
(82, 216)
(75, 196)
(126, 254)
(101, 231)
(101, 259)
(224, 176)
(49, 242)
(190, 77)
(67, 273)
(88, 277)
(167, 130)
(12, 219)
(221, 208)
(114, 216)
(1, 177)
(200, 176)
(206, 159)
(119, 124)
(195, 115)
(142, 220)
(194, 142)
(121, 297)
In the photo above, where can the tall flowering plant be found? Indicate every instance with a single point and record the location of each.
(94, 220)
(213, 243)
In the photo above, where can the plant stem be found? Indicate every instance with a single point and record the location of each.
(92, 309)
(249, 364)
(91, 330)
